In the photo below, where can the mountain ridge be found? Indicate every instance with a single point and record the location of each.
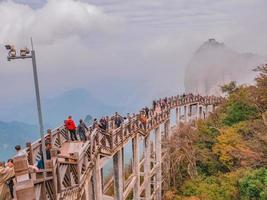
(77, 102)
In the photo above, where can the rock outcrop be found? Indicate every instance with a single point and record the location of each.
(215, 64)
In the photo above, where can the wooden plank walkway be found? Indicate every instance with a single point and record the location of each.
(69, 148)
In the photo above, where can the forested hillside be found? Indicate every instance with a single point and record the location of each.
(225, 157)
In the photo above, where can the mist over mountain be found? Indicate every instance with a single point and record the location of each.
(13, 133)
(78, 103)
(215, 64)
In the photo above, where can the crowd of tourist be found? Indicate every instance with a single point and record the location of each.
(103, 124)
(80, 132)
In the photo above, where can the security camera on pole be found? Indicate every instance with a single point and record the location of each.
(26, 53)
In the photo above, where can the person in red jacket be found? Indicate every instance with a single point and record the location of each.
(70, 124)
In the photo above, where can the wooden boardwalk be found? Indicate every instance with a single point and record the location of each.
(77, 171)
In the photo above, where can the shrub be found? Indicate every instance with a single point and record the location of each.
(237, 112)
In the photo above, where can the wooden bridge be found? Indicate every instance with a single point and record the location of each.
(77, 172)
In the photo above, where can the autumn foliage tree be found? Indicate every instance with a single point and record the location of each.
(233, 151)
(259, 91)
(181, 156)
(225, 156)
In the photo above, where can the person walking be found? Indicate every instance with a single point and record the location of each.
(146, 111)
(82, 128)
(71, 126)
(103, 124)
(154, 104)
(118, 120)
(143, 120)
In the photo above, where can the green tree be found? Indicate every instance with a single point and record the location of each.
(254, 185)
(238, 107)
(229, 88)
(220, 187)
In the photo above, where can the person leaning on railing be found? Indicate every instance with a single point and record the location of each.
(48, 147)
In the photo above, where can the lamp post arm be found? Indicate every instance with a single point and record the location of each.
(17, 57)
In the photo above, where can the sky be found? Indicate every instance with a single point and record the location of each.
(121, 51)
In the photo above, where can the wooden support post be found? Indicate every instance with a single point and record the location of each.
(158, 162)
(136, 169)
(190, 110)
(54, 161)
(86, 189)
(198, 111)
(24, 185)
(98, 194)
(185, 113)
(213, 108)
(147, 167)
(206, 112)
(177, 117)
(118, 175)
(91, 189)
(180, 112)
(167, 129)
(122, 165)
(79, 168)
(102, 178)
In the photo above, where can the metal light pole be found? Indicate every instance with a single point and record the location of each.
(24, 54)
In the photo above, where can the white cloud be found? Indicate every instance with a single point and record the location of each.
(97, 44)
(58, 19)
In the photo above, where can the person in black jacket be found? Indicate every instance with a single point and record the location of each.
(82, 128)
(118, 120)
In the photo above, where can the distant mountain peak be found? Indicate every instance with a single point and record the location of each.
(213, 42)
(214, 64)
(210, 43)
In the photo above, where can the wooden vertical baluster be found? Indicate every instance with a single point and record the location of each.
(59, 138)
(30, 153)
(50, 139)
(54, 153)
